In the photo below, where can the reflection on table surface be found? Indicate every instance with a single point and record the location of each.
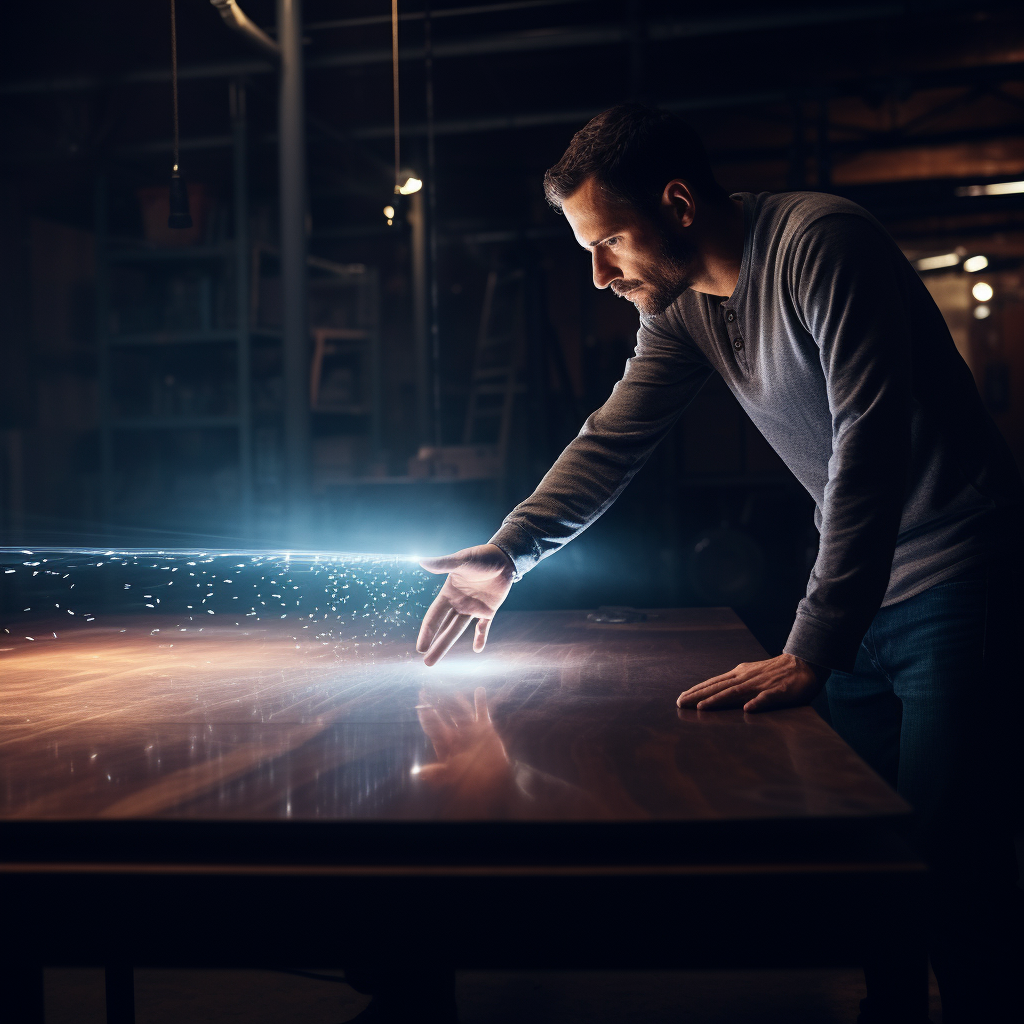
(560, 719)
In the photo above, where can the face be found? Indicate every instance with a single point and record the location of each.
(639, 258)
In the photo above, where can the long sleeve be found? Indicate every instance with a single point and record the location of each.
(660, 379)
(849, 291)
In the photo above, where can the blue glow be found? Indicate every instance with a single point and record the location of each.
(340, 599)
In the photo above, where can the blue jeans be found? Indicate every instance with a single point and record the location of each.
(927, 706)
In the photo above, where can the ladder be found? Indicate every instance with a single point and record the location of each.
(499, 354)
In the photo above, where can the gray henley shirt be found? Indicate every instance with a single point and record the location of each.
(836, 351)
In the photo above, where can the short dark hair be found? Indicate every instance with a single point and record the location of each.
(632, 152)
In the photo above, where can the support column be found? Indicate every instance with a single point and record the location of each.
(295, 340)
(103, 352)
(242, 291)
(417, 223)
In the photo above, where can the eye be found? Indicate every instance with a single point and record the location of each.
(613, 240)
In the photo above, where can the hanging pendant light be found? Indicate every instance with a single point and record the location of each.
(180, 217)
(406, 183)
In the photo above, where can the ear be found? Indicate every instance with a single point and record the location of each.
(677, 201)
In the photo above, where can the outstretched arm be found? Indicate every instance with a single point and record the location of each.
(660, 379)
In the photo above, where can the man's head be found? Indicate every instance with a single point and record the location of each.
(630, 184)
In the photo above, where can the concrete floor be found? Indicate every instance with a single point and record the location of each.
(491, 997)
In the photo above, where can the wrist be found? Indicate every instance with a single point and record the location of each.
(819, 672)
(508, 568)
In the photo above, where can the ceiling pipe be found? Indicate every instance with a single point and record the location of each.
(295, 331)
(291, 130)
(235, 19)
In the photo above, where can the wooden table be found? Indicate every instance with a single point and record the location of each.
(242, 797)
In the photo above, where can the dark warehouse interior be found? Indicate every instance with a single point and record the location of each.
(896, 108)
(323, 364)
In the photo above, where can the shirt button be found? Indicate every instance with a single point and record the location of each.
(730, 316)
(737, 344)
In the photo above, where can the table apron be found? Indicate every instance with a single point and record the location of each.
(517, 917)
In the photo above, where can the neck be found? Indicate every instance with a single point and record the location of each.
(720, 246)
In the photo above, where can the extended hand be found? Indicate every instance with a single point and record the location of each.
(479, 579)
(758, 686)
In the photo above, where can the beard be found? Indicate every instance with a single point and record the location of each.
(665, 276)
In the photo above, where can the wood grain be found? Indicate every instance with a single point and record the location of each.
(122, 722)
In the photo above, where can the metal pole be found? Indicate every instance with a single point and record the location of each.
(435, 328)
(103, 349)
(419, 316)
(238, 121)
(295, 341)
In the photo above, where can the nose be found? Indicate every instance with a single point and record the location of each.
(605, 270)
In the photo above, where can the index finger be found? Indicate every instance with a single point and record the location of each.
(437, 730)
(714, 680)
(702, 694)
(442, 642)
(436, 617)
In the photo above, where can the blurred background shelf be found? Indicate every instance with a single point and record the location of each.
(190, 355)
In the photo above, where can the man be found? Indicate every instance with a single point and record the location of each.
(834, 348)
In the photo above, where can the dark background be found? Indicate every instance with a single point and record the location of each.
(895, 105)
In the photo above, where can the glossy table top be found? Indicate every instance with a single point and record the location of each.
(560, 720)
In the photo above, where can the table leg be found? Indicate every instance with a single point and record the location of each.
(21, 994)
(120, 989)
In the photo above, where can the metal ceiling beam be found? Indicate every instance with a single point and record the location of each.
(533, 40)
(511, 122)
(444, 12)
(845, 147)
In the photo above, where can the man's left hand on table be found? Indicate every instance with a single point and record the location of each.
(780, 682)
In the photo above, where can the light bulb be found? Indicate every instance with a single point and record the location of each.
(982, 291)
(982, 312)
(389, 212)
(975, 263)
(411, 185)
(1000, 188)
(949, 259)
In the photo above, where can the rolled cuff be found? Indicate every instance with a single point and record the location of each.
(821, 644)
(520, 546)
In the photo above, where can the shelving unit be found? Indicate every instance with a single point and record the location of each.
(344, 369)
(191, 402)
